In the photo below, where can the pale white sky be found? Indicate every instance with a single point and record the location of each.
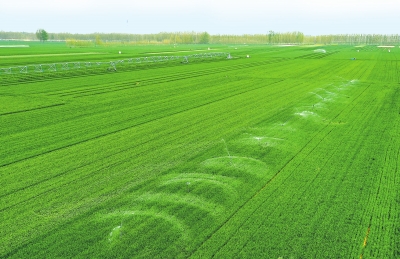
(214, 16)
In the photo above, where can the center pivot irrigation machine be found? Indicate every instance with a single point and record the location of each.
(109, 65)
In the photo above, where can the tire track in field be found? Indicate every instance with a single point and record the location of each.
(276, 175)
(33, 109)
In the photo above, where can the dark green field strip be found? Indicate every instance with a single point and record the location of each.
(225, 116)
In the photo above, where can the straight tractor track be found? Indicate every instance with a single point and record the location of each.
(33, 109)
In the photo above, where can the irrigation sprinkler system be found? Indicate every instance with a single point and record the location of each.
(108, 65)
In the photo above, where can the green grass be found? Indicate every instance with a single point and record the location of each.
(289, 153)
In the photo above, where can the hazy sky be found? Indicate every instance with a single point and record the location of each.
(214, 16)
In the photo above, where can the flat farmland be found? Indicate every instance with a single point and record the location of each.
(290, 153)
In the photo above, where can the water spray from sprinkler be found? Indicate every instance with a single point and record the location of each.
(226, 147)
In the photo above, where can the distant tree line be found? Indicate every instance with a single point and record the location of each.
(354, 39)
(203, 38)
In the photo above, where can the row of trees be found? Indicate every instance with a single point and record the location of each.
(354, 39)
(203, 38)
(162, 37)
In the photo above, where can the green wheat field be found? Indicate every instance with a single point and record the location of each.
(274, 152)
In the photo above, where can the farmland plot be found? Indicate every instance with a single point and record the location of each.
(285, 155)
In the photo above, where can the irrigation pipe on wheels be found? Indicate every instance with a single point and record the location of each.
(110, 65)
